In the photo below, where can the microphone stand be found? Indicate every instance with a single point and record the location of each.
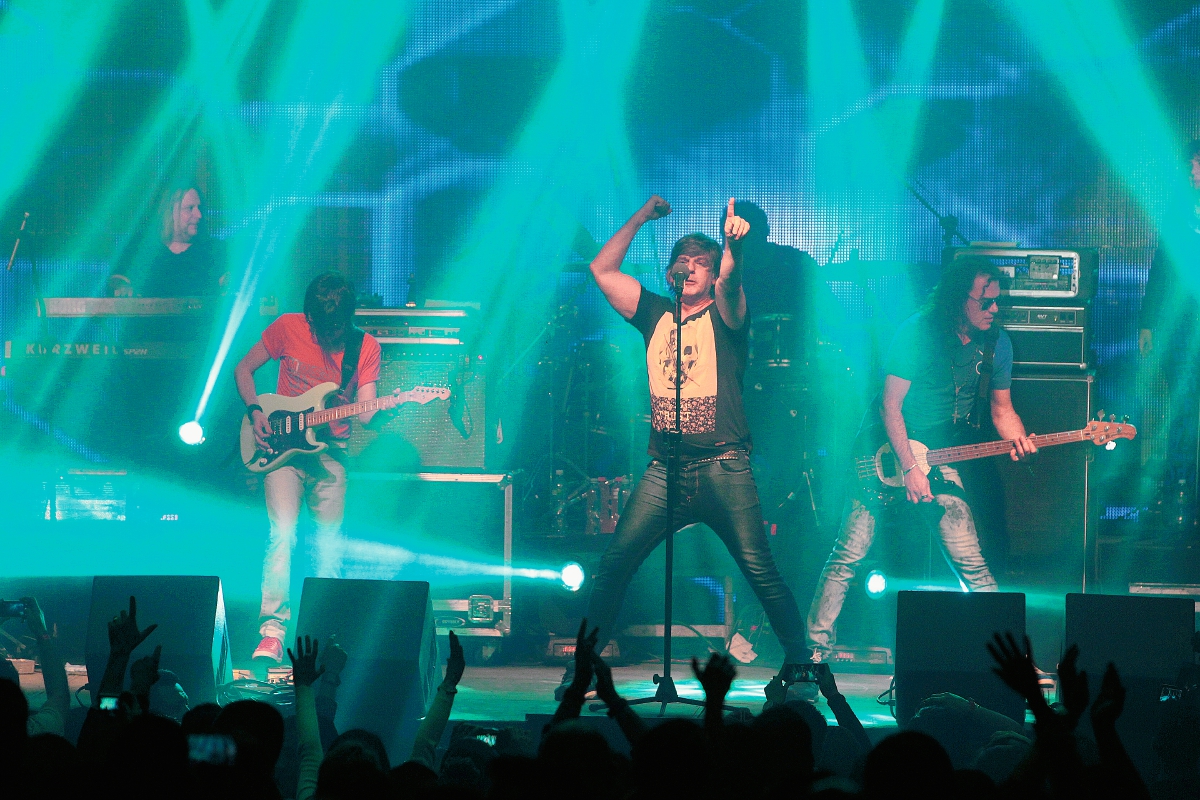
(666, 692)
(949, 222)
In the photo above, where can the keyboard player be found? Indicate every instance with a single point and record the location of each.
(176, 258)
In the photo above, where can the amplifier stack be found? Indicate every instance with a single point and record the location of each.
(1047, 316)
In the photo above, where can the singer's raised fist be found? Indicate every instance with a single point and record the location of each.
(656, 208)
(735, 226)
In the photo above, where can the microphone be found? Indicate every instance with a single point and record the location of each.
(17, 243)
(677, 275)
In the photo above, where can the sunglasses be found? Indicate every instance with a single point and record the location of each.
(986, 303)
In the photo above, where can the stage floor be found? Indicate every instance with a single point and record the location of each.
(509, 693)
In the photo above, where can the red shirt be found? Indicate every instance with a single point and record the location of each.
(303, 364)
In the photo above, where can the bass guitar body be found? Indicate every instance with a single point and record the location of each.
(291, 435)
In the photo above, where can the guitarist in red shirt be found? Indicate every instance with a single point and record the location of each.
(932, 395)
(310, 348)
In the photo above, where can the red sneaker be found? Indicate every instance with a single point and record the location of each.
(269, 649)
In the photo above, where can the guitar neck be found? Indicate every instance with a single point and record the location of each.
(967, 452)
(327, 415)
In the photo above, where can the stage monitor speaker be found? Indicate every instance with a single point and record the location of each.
(440, 434)
(190, 613)
(941, 646)
(1046, 501)
(1148, 639)
(387, 629)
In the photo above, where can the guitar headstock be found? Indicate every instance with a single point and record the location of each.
(1103, 431)
(424, 394)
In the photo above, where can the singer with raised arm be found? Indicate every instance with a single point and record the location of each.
(715, 485)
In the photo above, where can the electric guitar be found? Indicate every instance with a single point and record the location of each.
(881, 478)
(294, 421)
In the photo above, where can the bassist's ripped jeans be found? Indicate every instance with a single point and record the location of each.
(949, 514)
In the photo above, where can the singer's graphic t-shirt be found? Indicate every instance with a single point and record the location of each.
(303, 364)
(712, 418)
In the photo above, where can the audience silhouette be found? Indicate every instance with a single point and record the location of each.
(151, 745)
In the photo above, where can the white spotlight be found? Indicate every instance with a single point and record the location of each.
(572, 576)
(191, 433)
(876, 584)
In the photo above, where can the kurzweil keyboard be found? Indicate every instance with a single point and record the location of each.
(76, 350)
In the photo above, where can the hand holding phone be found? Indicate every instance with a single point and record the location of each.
(799, 673)
(11, 608)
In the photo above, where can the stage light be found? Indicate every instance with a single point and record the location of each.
(191, 433)
(572, 576)
(876, 584)
(1111, 445)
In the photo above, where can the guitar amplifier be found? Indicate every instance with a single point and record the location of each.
(435, 436)
(1047, 337)
(1046, 501)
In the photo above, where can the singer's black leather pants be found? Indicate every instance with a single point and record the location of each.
(722, 495)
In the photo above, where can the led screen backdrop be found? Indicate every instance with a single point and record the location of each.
(471, 150)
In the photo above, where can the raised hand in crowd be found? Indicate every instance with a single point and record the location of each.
(1106, 710)
(304, 662)
(1073, 686)
(629, 722)
(424, 747)
(572, 699)
(35, 620)
(1110, 700)
(333, 661)
(124, 636)
(456, 663)
(585, 645)
(776, 691)
(1015, 666)
(51, 718)
(846, 718)
(143, 674)
(716, 677)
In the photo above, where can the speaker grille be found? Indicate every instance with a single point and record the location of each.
(438, 435)
(1046, 502)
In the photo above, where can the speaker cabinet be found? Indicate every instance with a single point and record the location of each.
(190, 613)
(1046, 502)
(438, 435)
(941, 646)
(387, 629)
(1148, 639)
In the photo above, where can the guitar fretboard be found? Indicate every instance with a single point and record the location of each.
(967, 452)
(314, 418)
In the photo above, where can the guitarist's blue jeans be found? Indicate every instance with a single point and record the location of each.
(318, 481)
(720, 494)
(949, 514)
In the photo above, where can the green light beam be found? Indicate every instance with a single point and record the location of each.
(46, 47)
(571, 157)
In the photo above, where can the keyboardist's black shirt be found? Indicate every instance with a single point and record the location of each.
(196, 272)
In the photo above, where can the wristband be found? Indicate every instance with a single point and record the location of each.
(250, 409)
(903, 471)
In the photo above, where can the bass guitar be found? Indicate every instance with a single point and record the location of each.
(881, 478)
(294, 421)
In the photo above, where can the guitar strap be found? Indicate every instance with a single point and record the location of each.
(354, 340)
(985, 380)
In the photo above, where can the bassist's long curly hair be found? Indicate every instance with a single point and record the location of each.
(944, 308)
